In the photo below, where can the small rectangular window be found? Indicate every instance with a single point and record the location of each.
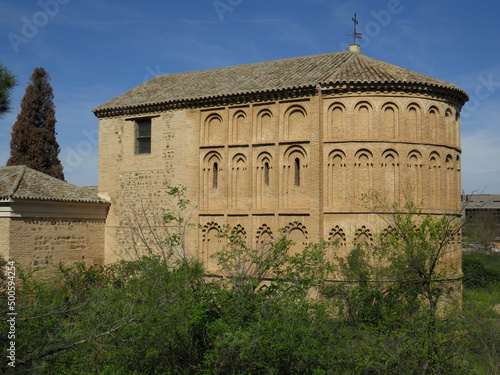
(215, 176)
(266, 174)
(143, 136)
(297, 172)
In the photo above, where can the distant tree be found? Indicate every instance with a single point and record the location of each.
(33, 140)
(482, 227)
(7, 83)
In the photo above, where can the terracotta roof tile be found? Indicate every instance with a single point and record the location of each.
(298, 72)
(21, 182)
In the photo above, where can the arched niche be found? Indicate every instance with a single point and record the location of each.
(212, 165)
(433, 182)
(240, 189)
(363, 235)
(414, 157)
(412, 176)
(297, 233)
(295, 123)
(449, 127)
(435, 159)
(211, 244)
(213, 181)
(240, 232)
(214, 130)
(413, 122)
(264, 237)
(265, 180)
(363, 174)
(390, 121)
(363, 120)
(336, 122)
(434, 124)
(336, 178)
(336, 158)
(389, 176)
(265, 129)
(295, 177)
(390, 157)
(240, 128)
(364, 157)
(338, 237)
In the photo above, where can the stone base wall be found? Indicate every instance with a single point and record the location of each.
(4, 237)
(42, 244)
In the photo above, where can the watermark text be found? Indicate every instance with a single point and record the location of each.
(31, 25)
(11, 314)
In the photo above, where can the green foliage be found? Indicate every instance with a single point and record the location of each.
(481, 270)
(481, 227)
(398, 283)
(272, 266)
(481, 328)
(7, 83)
(269, 312)
(157, 231)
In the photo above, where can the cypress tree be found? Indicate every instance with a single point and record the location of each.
(33, 141)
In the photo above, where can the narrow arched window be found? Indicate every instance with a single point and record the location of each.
(266, 174)
(215, 176)
(297, 172)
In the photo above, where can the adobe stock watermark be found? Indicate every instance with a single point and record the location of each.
(379, 21)
(483, 91)
(73, 157)
(11, 314)
(152, 73)
(31, 25)
(223, 6)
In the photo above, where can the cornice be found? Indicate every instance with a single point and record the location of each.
(25, 208)
(224, 100)
(452, 95)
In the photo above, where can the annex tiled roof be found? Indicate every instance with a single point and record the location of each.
(21, 182)
(292, 73)
(481, 201)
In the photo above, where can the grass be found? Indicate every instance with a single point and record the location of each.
(481, 311)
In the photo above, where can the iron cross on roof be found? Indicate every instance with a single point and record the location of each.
(355, 35)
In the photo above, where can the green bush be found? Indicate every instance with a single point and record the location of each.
(480, 270)
(270, 312)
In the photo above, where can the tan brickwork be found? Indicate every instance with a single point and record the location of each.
(42, 244)
(350, 145)
(133, 181)
(300, 162)
(45, 221)
(4, 237)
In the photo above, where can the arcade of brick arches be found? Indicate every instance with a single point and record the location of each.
(290, 143)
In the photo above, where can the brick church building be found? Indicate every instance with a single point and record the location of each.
(291, 143)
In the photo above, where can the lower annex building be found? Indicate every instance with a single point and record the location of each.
(288, 143)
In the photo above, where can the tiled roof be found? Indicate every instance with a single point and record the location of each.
(293, 73)
(21, 182)
(481, 201)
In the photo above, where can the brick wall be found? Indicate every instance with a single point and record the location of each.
(4, 237)
(44, 243)
(137, 183)
(240, 163)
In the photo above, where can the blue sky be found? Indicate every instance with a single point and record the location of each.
(97, 50)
